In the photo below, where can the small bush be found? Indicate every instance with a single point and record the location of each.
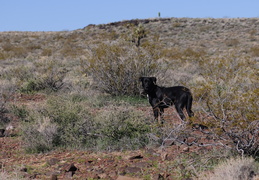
(232, 42)
(47, 52)
(30, 86)
(255, 51)
(61, 123)
(40, 136)
(121, 128)
(7, 91)
(20, 111)
(15, 51)
(233, 169)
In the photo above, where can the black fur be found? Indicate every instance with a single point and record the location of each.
(163, 97)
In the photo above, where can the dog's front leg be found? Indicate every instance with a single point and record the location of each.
(161, 114)
(156, 111)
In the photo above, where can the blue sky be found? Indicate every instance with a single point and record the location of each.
(58, 15)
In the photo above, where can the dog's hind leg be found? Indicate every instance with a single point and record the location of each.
(189, 106)
(161, 113)
(179, 109)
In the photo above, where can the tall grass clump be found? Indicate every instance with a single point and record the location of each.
(116, 67)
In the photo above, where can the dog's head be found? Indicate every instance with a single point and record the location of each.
(148, 83)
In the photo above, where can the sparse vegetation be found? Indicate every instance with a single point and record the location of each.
(79, 91)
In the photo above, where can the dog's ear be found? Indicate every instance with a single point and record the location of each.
(153, 79)
(141, 79)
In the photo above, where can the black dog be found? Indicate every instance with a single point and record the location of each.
(162, 97)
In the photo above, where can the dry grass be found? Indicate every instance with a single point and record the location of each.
(233, 169)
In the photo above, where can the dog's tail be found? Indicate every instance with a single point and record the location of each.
(189, 105)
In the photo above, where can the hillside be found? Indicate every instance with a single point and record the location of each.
(71, 103)
(214, 35)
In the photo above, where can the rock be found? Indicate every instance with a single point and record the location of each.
(54, 177)
(186, 149)
(24, 169)
(170, 157)
(112, 174)
(102, 176)
(130, 170)
(2, 132)
(158, 177)
(1, 165)
(152, 152)
(69, 174)
(52, 161)
(191, 140)
(70, 169)
(164, 156)
(135, 157)
(126, 178)
(168, 142)
(142, 164)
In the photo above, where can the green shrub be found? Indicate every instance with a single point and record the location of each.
(72, 120)
(61, 123)
(20, 111)
(122, 128)
(66, 122)
(30, 86)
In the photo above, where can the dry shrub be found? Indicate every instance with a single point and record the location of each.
(32, 77)
(255, 51)
(40, 136)
(232, 42)
(228, 93)
(16, 174)
(116, 67)
(233, 169)
(14, 51)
